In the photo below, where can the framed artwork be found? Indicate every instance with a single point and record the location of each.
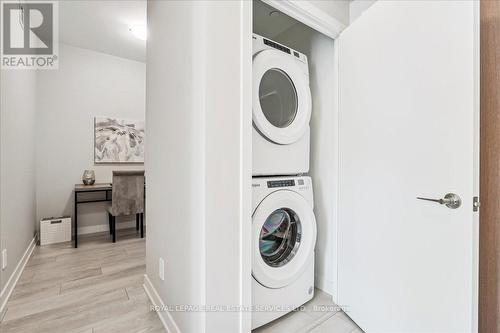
(118, 140)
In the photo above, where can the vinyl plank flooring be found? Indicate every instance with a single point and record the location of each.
(95, 288)
(40, 261)
(26, 277)
(139, 320)
(319, 315)
(338, 323)
(320, 305)
(34, 291)
(289, 323)
(75, 317)
(98, 288)
(60, 302)
(126, 264)
(64, 275)
(127, 277)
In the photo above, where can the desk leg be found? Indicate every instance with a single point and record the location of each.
(113, 222)
(142, 225)
(76, 219)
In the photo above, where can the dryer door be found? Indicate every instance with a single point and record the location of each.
(281, 97)
(283, 238)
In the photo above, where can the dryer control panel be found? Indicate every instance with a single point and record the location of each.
(261, 43)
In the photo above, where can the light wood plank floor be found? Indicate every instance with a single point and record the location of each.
(95, 288)
(319, 315)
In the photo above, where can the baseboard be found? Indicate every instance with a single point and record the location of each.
(14, 277)
(93, 229)
(165, 316)
(324, 284)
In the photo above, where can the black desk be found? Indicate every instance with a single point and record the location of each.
(105, 188)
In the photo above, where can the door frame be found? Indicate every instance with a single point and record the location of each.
(476, 168)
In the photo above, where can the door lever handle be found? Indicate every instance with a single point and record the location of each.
(451, 200)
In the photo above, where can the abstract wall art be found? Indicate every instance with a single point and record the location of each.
(118, 140)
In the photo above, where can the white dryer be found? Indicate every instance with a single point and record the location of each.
(283, 240)
(281, 105)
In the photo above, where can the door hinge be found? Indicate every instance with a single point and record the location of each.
(475, 204)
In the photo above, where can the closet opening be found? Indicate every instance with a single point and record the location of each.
(294, 186)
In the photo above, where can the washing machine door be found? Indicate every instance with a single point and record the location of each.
(281, 97)
(283, 238)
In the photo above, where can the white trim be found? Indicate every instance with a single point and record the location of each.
(475, 217)
(165, 317)
(245, 269)
(92, 229)
(14, 277)
(334, 237)
(310, 15)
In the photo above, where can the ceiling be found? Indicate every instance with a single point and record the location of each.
(269, 22)
(103, 26)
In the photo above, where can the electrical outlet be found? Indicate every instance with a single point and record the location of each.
(4, 259)
(161, 269)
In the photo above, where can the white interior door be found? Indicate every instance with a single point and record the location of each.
(408, 114)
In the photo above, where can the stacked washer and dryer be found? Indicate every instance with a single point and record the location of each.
(283, 222)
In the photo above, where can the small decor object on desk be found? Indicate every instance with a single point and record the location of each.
(55, 230)
(88, 177)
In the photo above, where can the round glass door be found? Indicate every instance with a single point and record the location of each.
(281, 98)
(280, 237)
(283, 238)
(278, 98)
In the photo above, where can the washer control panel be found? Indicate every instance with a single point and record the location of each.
(264, 186)
(285, 183)
(280, 183)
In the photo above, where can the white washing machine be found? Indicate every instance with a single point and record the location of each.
(281, 105)
(283, 240)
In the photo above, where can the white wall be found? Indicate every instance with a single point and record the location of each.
(357, 7)
(338, 9)
(17, 165)
(228, 173)
(198, 118)
(87, 84)
(320, 51)
(175, 120)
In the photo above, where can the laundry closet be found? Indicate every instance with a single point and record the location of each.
(294, 151)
